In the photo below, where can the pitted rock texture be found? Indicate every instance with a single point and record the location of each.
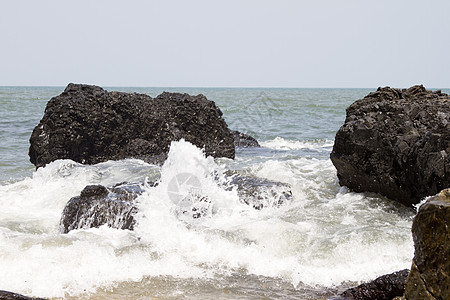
(90, 125)
(396, 143)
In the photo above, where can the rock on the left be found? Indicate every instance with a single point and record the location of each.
(90, 125)
(5, 295)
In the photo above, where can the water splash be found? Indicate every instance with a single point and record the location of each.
(324, 237)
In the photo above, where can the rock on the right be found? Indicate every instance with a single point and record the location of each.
(429, 277)
(396, 143)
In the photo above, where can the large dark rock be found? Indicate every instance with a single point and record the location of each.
(430, 271)
(90, 125)
(385, 287)
(396, 143)
(5, 295)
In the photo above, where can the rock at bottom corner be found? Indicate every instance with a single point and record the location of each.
(5, 295)
(430, 271)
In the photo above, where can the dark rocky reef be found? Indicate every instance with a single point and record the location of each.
(116, 206)
(90, 125)
(244, 140)
(430, 271)
(385, 287)
(4, 295)
(396, 143)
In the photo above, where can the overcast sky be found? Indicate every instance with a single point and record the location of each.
(241, 43)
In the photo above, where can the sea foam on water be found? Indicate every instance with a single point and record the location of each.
(194, 237)
(192, 225)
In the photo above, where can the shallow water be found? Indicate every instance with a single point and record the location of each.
(324, 240)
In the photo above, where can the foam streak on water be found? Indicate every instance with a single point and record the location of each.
(194, 237)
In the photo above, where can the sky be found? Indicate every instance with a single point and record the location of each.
(246, 43)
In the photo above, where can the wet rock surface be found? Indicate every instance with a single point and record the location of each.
(90, 125)
(430, 271)
(396, 143)
(385, 287)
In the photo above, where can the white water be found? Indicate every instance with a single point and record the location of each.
(325, 237)
(283, 144)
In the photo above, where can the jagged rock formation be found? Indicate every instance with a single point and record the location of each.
(90, 125)
(385, 287)
(430, 271)
(396, 143)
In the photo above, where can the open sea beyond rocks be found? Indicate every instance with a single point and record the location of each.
(326, 239)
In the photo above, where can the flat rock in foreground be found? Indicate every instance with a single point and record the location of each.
(90, 125)
(396, 143)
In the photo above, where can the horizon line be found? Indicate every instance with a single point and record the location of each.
(213, 87)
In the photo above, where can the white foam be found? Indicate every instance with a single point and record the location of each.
(39, 200)
(262, 242)
(280, 143)
(325, 236)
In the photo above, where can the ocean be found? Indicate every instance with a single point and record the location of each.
(322, 241)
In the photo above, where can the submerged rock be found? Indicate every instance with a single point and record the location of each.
(260, 193)
(430, 271)
(396, 143)
(385, 287)
(256, 192)
(98, 205)
(244, 140)
(90, 125)
(116, 207)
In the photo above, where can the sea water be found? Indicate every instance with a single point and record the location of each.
(323, 240)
